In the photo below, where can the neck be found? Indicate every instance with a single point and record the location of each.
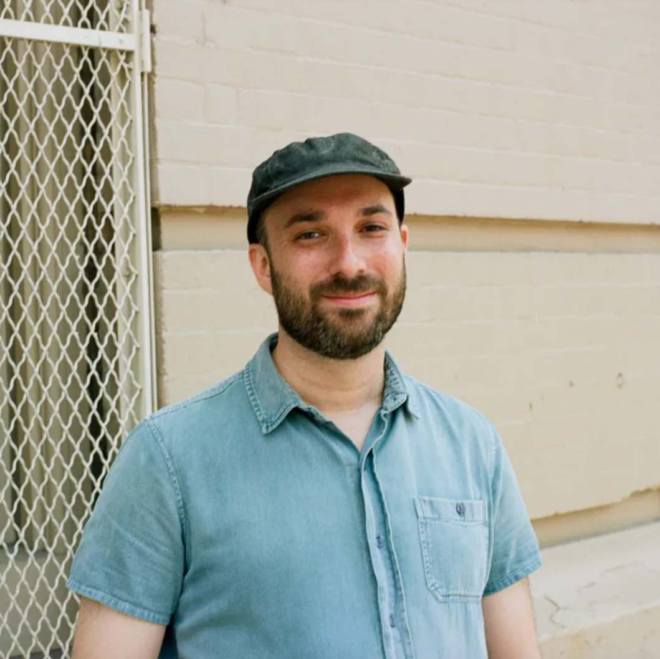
(331, 385)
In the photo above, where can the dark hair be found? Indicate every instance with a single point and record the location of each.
(260, 231)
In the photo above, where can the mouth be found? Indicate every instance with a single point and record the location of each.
(351, 300)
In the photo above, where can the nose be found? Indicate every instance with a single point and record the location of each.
(347, 258)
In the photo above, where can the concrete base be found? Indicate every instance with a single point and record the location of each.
(600, 598)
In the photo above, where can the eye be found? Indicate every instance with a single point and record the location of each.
(374, 228)
(308, 235)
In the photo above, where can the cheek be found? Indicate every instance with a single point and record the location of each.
(389, 263)
(297, 277)
(307, 270)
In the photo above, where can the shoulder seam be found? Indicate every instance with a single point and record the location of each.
(216, 390)
(443, 394)
(431, 390)
(487, 423)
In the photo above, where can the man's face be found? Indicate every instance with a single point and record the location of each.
(335, 264)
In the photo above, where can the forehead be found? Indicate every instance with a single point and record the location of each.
(331, 190)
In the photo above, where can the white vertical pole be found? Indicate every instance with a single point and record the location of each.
(141, 113)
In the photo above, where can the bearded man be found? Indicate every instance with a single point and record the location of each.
(319, 504)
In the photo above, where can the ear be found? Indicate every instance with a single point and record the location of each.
(260, 263)
(404, 236)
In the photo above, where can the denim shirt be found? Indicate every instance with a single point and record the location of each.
(252, 527)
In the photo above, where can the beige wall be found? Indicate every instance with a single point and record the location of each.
(505, 108)
(531, 130)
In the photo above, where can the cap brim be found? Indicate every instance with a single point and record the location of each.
(395, 181)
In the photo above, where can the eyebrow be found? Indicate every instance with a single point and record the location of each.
(374, 209)
(307, 216)
(317, 216)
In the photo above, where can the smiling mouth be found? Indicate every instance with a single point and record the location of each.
(351, 300)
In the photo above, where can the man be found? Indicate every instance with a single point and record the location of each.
(320, 504)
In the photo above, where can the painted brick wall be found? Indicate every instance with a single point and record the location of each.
(512, 108)
(560, 351)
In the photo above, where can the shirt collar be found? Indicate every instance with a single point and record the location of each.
(272, 398)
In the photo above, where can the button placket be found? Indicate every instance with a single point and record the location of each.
(397, 618)
(379, 541)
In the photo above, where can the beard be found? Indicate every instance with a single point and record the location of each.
(340, 333)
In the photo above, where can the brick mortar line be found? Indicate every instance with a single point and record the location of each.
(540, 155)
(560, 188)
(454, 7)
(172, 38)
(535, 187)
(368, 29)
(411, 107)
(550, 26)
(413, 73)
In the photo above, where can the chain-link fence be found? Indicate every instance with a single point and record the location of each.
(74, 273)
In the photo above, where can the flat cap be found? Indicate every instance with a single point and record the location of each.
(317, 157)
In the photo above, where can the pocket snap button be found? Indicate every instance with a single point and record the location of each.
(460, 509)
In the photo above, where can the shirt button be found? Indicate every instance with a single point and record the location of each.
(379, 541)
(392, 621)
(460, 509)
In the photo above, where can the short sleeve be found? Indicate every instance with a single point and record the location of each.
(514, 546)
(131, 556)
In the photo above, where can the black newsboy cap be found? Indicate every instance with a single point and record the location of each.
(316, 157)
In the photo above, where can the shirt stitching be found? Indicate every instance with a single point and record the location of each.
(525, 569)
(252, 394)
(181, 506)
(268, 422)
(397, 576)
(275, 420)
(119, 604)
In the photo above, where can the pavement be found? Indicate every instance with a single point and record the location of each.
(599, 598)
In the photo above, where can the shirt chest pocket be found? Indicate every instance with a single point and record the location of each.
(454, 541)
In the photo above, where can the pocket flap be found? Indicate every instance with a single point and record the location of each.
(450, 510)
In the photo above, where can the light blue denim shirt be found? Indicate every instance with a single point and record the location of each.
(250, 525)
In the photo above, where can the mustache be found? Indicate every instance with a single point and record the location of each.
(341, 284)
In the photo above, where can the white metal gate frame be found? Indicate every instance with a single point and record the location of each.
(137, 42)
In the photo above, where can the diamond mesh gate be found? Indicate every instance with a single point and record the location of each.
(76, 344)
